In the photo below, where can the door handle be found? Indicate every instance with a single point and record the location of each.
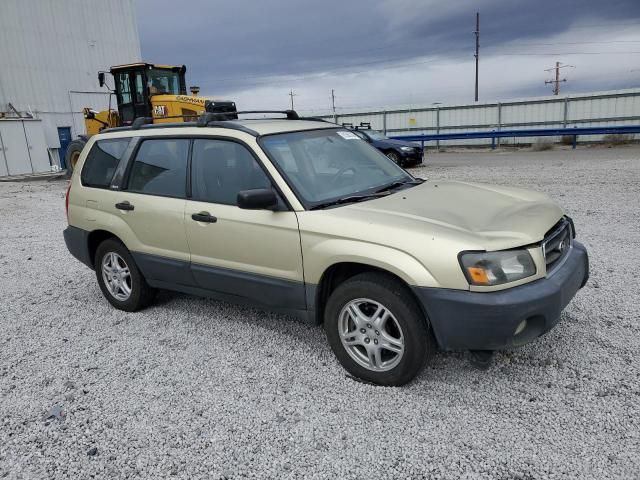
(204, 217)
(124, 206)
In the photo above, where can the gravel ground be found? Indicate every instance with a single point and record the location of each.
(194, 388)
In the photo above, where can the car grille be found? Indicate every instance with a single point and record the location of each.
(557, 244)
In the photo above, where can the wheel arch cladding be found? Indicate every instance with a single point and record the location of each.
(95, 238)
(340, 272)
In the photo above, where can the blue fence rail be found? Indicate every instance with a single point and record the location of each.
(535, 132)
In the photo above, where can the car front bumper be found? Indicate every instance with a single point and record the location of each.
(464, 320)
(414, 157)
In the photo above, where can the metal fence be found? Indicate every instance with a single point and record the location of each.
(600, 109)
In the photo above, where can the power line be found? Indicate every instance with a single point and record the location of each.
(565, 43)
(271, 77)
(596, 25)
(564, 53)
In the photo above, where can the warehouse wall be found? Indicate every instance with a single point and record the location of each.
(52, 49)
(618, 107)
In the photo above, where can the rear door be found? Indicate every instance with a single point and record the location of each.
(152, 204)
(254, 254)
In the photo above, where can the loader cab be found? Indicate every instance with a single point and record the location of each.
(136, 83)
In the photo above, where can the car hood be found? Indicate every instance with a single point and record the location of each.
(490, 217)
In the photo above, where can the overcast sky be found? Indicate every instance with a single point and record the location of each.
(385, 53)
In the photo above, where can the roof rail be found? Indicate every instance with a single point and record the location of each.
(291, 114)
(207, 117)
(317, 119)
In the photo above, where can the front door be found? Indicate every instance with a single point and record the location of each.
(253, 254)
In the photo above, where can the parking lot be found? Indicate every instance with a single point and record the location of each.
(194, 388)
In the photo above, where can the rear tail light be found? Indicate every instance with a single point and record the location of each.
(66, 201)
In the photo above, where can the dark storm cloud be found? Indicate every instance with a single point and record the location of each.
(230, 44)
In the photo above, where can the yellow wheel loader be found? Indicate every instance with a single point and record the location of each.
(155, 93)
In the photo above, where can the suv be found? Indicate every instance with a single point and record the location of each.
(401, 152)
(302, 216)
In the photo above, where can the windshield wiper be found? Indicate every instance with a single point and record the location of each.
(400, 183)
(349, 199)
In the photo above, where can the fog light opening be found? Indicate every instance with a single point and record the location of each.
(521, 326)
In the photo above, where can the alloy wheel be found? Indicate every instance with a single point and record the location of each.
(371, 334)
(116, 276)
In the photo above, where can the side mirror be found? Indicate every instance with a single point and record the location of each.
(257, 199)
(101, 78)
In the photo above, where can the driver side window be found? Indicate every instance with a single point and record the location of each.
(221, 169)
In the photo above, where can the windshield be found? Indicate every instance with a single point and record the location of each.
(374, 135)
(323, 165)
(163, 82)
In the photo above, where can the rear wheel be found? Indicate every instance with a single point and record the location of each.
(377, 330)
(121, 282)
(74, 149)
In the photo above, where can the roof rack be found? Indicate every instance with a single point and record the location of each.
(291, 114)
(211, 119)
(362, 126)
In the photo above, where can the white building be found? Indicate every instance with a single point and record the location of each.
(50, 55)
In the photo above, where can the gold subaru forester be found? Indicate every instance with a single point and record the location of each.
(304, 217)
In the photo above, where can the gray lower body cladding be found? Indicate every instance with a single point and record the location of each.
(77, 241)
(261, 290)
(461, 320)
(464, 320)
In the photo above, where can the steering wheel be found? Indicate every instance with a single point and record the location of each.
(339, 173)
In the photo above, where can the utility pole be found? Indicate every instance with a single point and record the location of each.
(477, 55)
(333, 105)
(291, 94)
(556, 83)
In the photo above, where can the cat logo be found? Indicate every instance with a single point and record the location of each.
(160, 111)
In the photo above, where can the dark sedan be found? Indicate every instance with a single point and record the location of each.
(403, 153)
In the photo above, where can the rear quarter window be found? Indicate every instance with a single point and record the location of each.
(102, 161)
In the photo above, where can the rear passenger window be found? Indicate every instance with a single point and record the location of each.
(221, 169)
(102, 161)
(160, 168)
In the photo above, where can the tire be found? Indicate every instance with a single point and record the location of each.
(74, 149)
(406, 331)
(394, 157)
(127, 292)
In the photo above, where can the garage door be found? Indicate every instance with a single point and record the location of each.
(23, 149)
(15, 148)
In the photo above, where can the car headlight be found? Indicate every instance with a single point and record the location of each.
(496, 268)
(406, 149)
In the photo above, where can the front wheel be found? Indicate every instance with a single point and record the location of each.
(395, 158)
(377, 330)
(121, 282)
